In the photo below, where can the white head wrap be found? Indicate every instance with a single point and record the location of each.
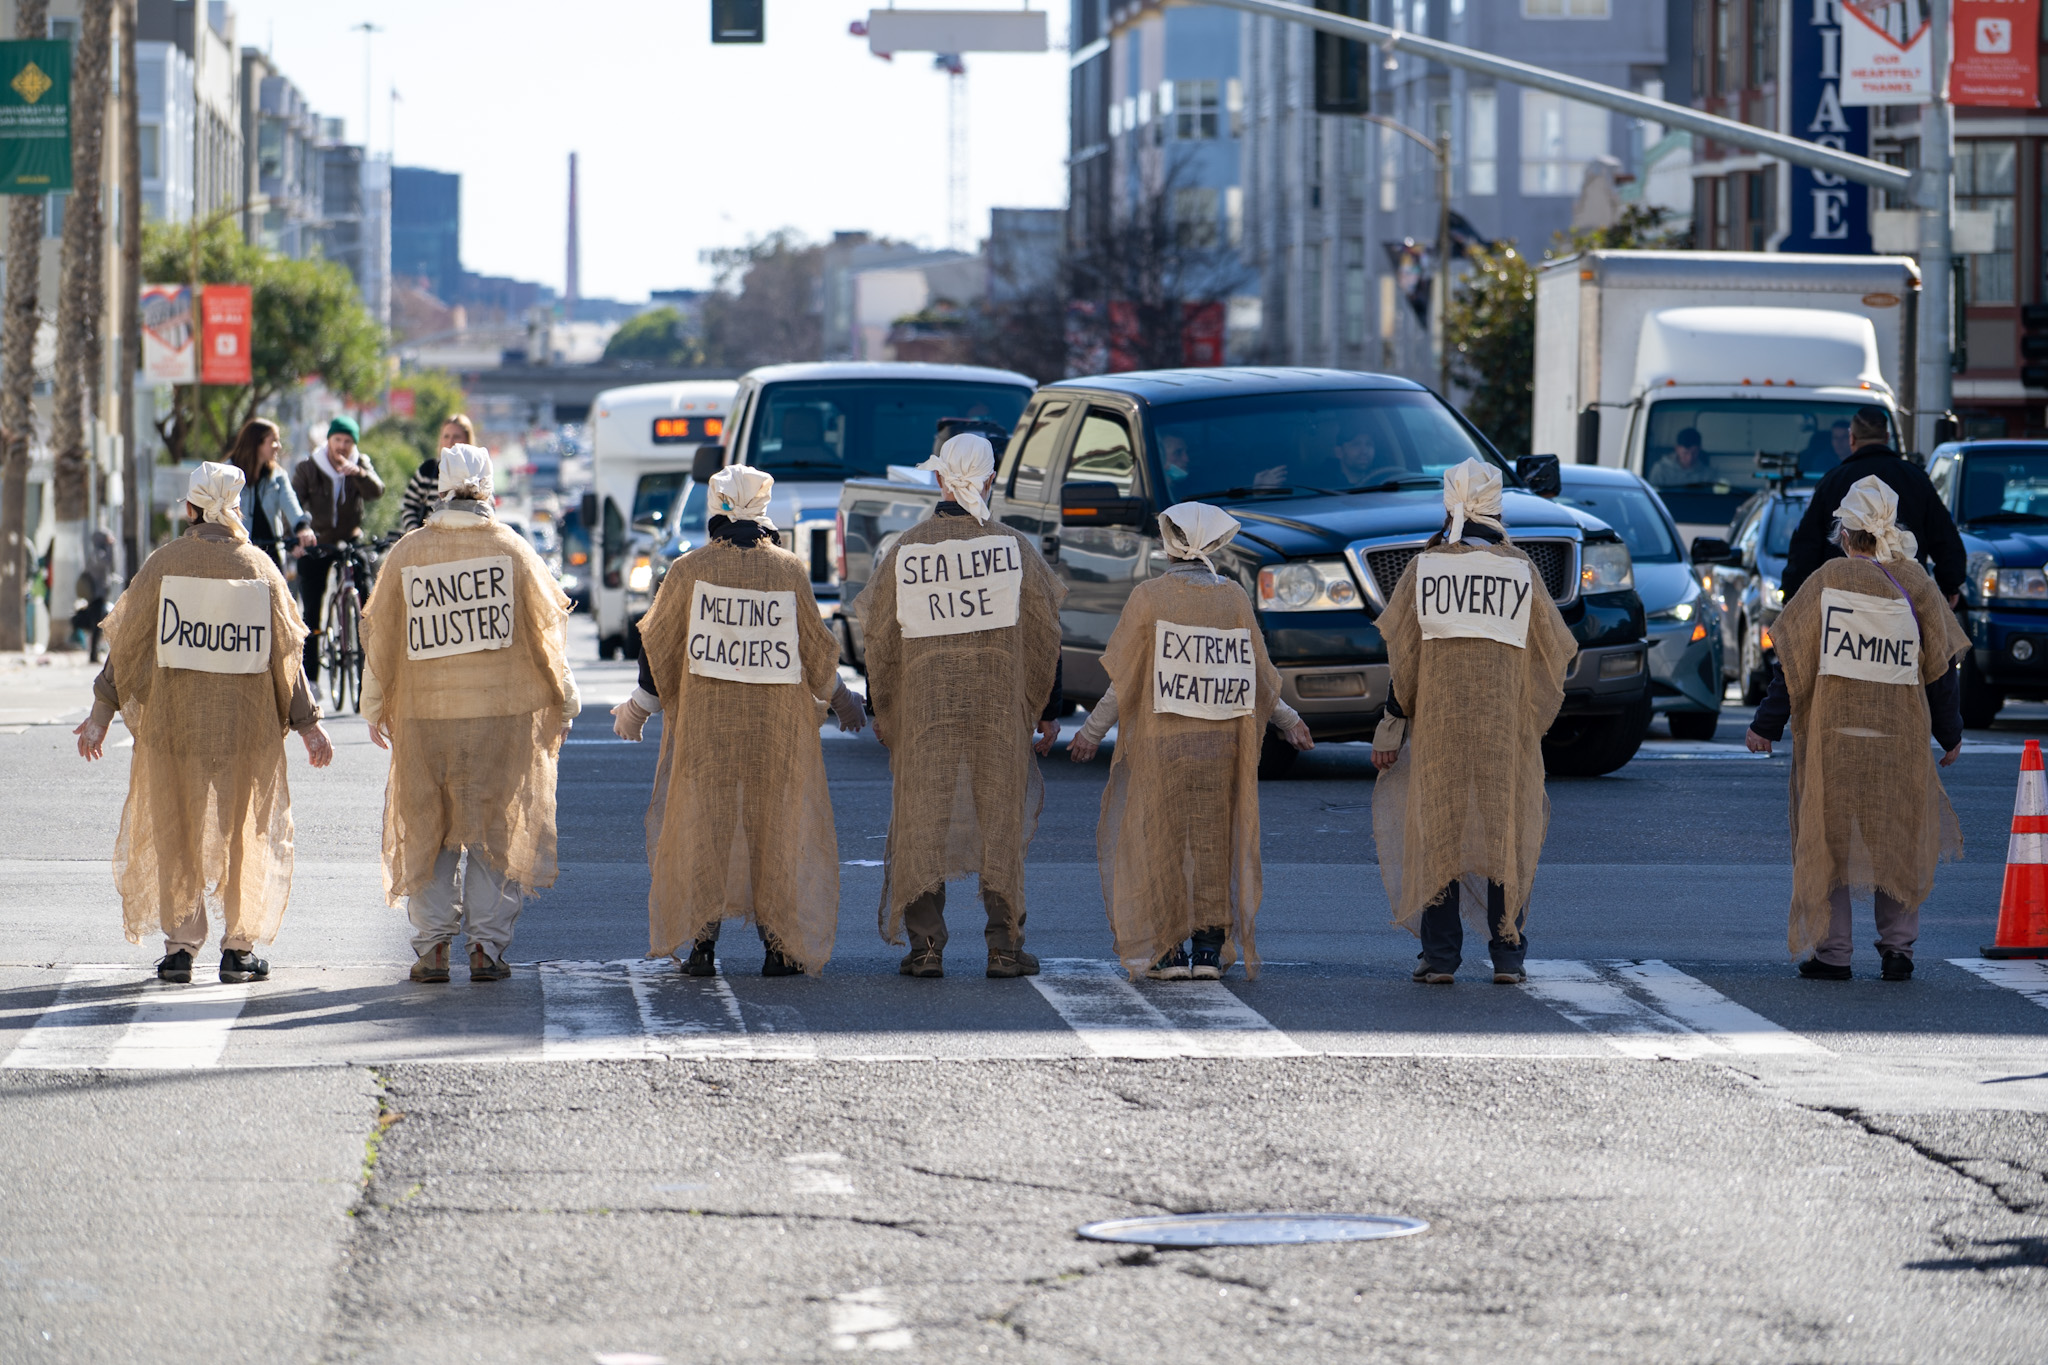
(464, 467)
(1872, 506)
(1472, 493)
(1195, 530)
(964, 464)
(216, 490)
(741, 492)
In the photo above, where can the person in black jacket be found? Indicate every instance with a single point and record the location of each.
(1921, 510)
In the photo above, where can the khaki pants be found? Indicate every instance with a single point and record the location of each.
(485, 907)
(190, 936)
(924, 919)
(1897, 929)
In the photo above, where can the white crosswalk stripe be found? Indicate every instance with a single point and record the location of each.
(1115, 1018)
(661, 1013)
(1651, 1009)
(2027, 976)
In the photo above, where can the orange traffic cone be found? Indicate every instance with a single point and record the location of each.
(2023, 910)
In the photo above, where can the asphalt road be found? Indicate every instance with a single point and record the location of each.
(1667, 1147)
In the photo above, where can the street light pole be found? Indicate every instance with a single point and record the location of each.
(1440, 284)
(1934, 196)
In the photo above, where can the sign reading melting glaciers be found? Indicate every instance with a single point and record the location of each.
(743, 635)
(35, 116)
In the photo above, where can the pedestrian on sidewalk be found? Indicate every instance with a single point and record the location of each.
(961, 624)
(203, 664)
(1477, 654)
(735, 656)
(466, 680)
(1865, 647)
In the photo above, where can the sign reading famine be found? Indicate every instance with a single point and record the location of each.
(1473, 597)
(1202, 672)
(958, 586)
(744, 635)
(461, 607)
(214, 625)
(1876, 639)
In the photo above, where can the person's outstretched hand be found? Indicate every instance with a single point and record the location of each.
(1383, 759)
(1297, 734)
(92, 740)
(319, 746)
(1048, 731)
(1082, 749)
(379, 736)
(1952, 755)
(629, 720)
(1755, 742)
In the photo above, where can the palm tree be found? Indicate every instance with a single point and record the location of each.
(25, 214)
(135, 511)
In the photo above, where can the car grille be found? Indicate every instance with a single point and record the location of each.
(1552, 558)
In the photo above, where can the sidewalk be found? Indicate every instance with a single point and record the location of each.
(44, 689)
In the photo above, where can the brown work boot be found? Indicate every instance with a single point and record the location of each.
(432, 966)
(925, 958)
(484, 967)
(1004, 962)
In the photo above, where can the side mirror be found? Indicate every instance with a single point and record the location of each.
(1540, 474)
(1946, 429)
(1099, 504)
(1712, 550)
(1589, 436)
(588, 511)
(707, 461)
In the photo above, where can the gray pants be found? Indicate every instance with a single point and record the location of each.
(485, 906)
(924, 920)
(1443, 933)
(1897, 929)
(190, 936)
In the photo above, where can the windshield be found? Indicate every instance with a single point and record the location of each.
(2006, 485)
(655, 495)
(1785, 517)
(1308, 443)
(1700, 454)
(1633, 514)
(850, 428)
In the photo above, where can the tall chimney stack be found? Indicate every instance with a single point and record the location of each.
(574, 289)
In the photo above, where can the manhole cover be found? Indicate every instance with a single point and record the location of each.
(1252, 1229)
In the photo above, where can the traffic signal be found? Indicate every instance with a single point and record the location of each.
(2034, 345)
(1343, 67)
(736, 21)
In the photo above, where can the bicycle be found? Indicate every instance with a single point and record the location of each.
(341, 623)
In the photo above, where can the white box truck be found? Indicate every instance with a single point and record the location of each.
(1740, 352)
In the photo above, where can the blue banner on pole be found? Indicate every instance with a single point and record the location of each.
(1825, 212)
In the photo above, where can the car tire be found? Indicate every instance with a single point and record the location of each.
(1593, 746)
(607, 648)
(1694, 725)
(1980, 700)
(1276, 756)
(1754, 670)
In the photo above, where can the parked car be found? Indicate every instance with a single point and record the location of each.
(1998, 493)
(1683, 621)
(1748, 584)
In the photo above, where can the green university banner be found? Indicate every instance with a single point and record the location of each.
(35, 116)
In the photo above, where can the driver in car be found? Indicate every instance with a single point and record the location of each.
(1685, 466)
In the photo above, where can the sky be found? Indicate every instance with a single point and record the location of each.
(681, 146)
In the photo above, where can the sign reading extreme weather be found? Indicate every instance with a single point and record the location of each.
(1202, 672)
(743, 635)
(461, 607)
(213, 625)
(35, 116)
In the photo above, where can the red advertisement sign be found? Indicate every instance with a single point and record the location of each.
(401, 404)
(1997, 54)
(224, 318)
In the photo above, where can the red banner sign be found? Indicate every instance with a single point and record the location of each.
(224, 315)
(1997, 54)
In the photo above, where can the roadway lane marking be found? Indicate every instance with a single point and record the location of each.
(1114, 1018)
(1650, 1009)
(1694, 1003)
(638, 1008)
(183, 1029)
(80, 1025)
(2027, 976)
(865, 1320)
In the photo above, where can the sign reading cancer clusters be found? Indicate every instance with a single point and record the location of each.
(214, 625)
(1997, 59)
(461, 607)
(744, 635)
(1876, 639)
(1473, 597)
(958, 586)
(1202, 672)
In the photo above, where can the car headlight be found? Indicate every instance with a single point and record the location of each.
(1981, 577)
(642, 576)
(1774, 593)
(1307, 585)
(1682, 612)
(2023, 583)
(1604, 566)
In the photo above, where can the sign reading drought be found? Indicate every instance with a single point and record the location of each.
(214, 625)
(958, 586)
(1473, 597)
(1876, 639)
(461, 607)
(743, 635)
(1202, 672)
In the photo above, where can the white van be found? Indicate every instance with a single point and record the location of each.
(644, 438)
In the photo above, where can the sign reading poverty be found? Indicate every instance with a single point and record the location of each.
(464, 606)
(35, 116)
(214, 625)
(1202, 672)
(1876, 639)
(957, 587)
(1473, 597)
(743, 635)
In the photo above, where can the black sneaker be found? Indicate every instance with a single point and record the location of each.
(242, 966)
(175, 967)
(1172, 966)
(777, 964)
(1427, 975)
(1813, 969)
(1207, 962)
(1897, 966)
(703, 958)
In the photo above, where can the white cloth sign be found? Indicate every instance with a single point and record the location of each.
(1202, 672)
(214, 625)
(1474, 597)
(957, 587)
(1876, 639)
(1887, 57)
(464, 606)
(743, 635)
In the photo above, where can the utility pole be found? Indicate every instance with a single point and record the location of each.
(1933, 194)
(1440, 284)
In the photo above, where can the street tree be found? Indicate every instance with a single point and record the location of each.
(659, 336)
(765, 308)
(18, 328)
(397, 445)
(135, 509)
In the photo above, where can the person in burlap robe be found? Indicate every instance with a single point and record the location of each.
(1459, 813)
(466, 680)
(955, 700)
(740, 825)
(209, 810)
(1867, 649)
(1178, 841)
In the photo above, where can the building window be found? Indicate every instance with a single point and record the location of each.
(1390, 170)
(1194, 111)
(1315, 163)
(1761, 214)
(1564, 9)
(149, 150)
(1354, 292)
(1482, 141)
(1720, 213)
(1726, 77)
(1312, 294)
(1763, 42)
(1233, 101)
(1984, 181)
(1233, 214)
(1559, 136)
(1194, 217)
(1144, 107)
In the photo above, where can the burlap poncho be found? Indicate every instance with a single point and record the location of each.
(957, 711)
(1466, 800)
(474, 736)
(1868, 809)
(209, 811)
(740, 825)
(1178, 841)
